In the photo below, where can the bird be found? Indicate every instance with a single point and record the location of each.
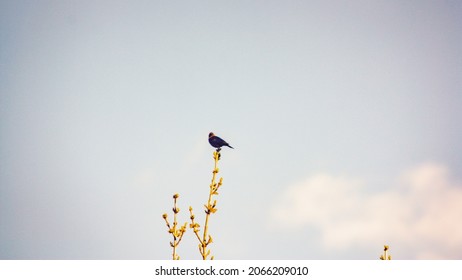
(217, 142)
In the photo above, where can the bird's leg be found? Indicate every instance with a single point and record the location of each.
(218, 150)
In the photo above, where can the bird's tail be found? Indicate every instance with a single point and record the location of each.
(229, 146)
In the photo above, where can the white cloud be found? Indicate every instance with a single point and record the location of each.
(420, 216)
(145, 177)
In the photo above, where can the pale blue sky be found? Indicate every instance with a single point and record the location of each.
(105, 108)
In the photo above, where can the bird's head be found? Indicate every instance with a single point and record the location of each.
(211, 134)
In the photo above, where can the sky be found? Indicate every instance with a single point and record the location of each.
(344, 115)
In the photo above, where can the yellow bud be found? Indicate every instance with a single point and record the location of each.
(164, 215)
(175, 196)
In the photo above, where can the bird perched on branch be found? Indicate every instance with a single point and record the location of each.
(217, 142)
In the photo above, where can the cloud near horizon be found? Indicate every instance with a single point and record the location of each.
(419, 216)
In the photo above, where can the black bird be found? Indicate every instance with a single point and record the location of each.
(217, 142)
